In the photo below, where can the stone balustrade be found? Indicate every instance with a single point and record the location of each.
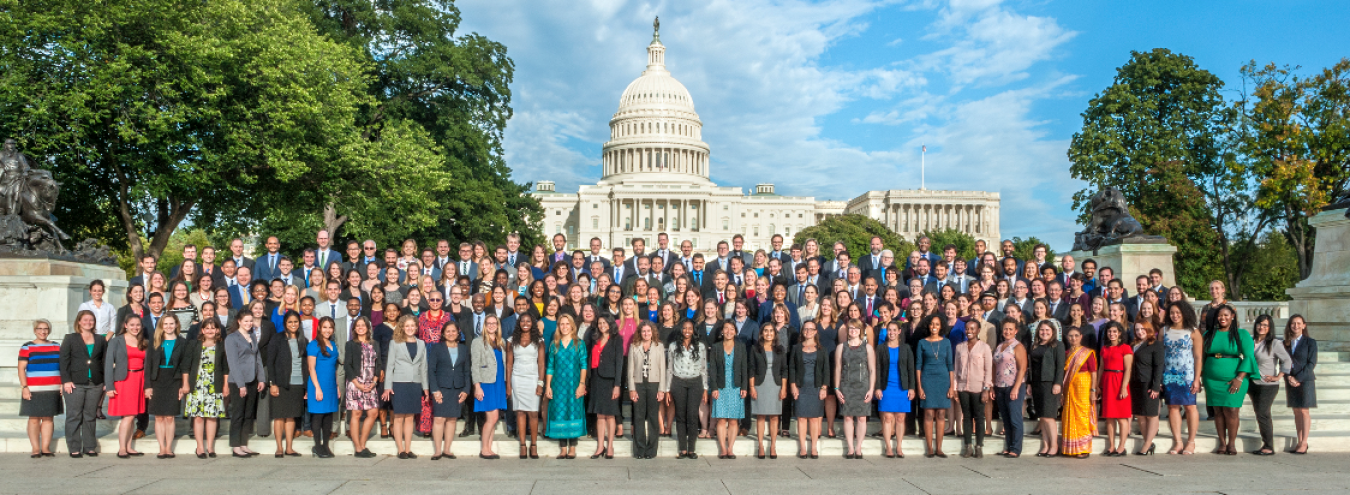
(1248, 311)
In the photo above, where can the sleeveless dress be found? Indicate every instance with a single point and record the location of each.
(325, 372)
(728, 404)
(767, 402)
(130, 398)
(853, 381)
(893, 398)
(205, 401)
(356, 400)
(1179, 372)
(525, 378)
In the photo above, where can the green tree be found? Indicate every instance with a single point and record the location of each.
(965, 243)
(1024, 249)
(152, 111)
(856, 231)
(1159, 135)
(1296, 135)
(1276, 269)
(449, 88)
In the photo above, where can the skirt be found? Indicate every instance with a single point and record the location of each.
(450, 406)
(602, 389)
(768, 403)
(289, 402)
(407, 398)
(164, 402)
(1044, 399)
(1178, 395)
(808, 403)
(1140, 403)
(894, 399)
(42, 405)
(1303, 396)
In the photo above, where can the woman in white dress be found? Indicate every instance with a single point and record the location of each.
(525, 384)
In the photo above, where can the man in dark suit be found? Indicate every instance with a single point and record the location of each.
(618, 268)
(466, 265)
(796, 293)
(285, 274)
(428, 259)
(324, 253)
(794, 259)
(938, 279)
(921, 272)
(208, 266)
(722, 261)
(1141, 286)
(595, 255)
(842, 267)
(777, 252)
(737, 243)
(559, 250)
(442, 252)
(237, 253)
(958, 278)
(664, 252)
(989, 308)
(924, 245)
(643, 271)
(719, 285)
(686, 257)
(266, 267)
(239, 292)
(872, 260)
(354, 259)
(513, 254)
(774, 272)
(815, 277)
(869, 299)
(1059, 309)
(830, 267)
(700, 276)
(471, 323)
(147, 267)
(639, 252)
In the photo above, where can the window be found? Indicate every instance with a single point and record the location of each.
(799, 215)
(771, 215)
(756, 231)
(595, 222)
(756, 214)
(557, 213)
(726, 207)
(726, 224)
(595, 206)
(558, 229)
(772, 230)
(787, 231)
(742, 214)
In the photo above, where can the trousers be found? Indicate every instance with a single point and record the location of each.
(81, 409)
(1262, 397)
(1010, 411)
(687, 394)
(972, 416)
(242, 411)
(646, 427)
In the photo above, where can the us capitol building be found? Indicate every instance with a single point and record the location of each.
(656, 179)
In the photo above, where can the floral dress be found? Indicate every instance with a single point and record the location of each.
(1179, 372)
(205, 401)
(429, 331)
(356, 399)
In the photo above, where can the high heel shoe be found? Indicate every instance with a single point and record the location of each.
(524, 454)
(534, 453)
(1151, 448)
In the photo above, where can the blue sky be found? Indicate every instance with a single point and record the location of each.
(834, 98)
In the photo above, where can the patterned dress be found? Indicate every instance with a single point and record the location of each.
(429, 331)
(566, 411)
(356, 399)
(205, 401)
(728, 404)
(1179, 373)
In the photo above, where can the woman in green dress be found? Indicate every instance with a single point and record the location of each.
(566, 385)
(1229, 359)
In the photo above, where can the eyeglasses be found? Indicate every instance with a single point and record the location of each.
(435, 300)
(370, 249)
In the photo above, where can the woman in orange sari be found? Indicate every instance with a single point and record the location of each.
(1079, 422)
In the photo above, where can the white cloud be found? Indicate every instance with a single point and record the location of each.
(764, 78)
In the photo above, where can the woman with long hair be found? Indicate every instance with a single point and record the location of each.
(1272, 364)
(524, 379)
(124, 370)
(206, 370)
(565, 386)
(489, 380)
(727, 370)
(605, 359)
(895, 388)
(287, 374)
(321, 397)
(448, 379)
(1080, 396)
(935, 373)
(1181, 377)
(1146, 377)
(180, 306)
(363, 370)
(768, 385)
(854, 384)
(1045, 374)
(688, 385)
(1228, 362)
(1300, 395)
(1117, 362)
(405, 373)
(166, 382)
(646, 377)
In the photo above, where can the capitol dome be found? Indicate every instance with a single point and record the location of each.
(655, 135)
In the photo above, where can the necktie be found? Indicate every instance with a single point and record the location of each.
(698, 277)
(738, 281)
(801, 293)
(323, 258)
(869, 306)
(721, 299)
(272, 261)
(478, 324)
(332, 310)
(464, 268)
(511, 260)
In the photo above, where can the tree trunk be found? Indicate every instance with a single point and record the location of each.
(1298, 236)
(332, 221)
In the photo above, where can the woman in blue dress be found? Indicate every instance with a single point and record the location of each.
(935, 372)
(321, 391)
(895, 377)
(1182, 344)
(728, 367)
(489, 380)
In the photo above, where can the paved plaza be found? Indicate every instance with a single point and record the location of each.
(1202, 473)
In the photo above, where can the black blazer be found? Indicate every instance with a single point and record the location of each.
(759, 364)
(351, 367)
(155, 357)
(278, 361)
(797, 367)
(442, 374)
(77, 365)
(1052, 364)
(717, 363)
(193, 365)
(1304, 359)
(611, 358)
(905, 366)
(1149, 362)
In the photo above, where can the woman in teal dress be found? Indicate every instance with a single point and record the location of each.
(565, 374)
(321, 391)
(1229, 359)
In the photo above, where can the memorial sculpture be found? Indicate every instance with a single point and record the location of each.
(1111, 223)
(27, 200)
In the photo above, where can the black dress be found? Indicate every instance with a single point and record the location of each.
(164, 372)
(1043, 398)
(605, 377)
(1146, 375)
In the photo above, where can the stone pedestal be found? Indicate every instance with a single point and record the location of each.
(32, 288)
(1324, 297)
(1129, 261)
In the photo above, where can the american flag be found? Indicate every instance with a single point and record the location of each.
(925, 148)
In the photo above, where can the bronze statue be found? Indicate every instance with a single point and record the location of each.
(27, 201)
(1111, 223)
(13, 169)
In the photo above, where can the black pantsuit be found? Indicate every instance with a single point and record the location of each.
(687, 394)
(646, 428)
(1263, 396)
(242, 411)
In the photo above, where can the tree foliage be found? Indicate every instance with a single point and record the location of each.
(965, 243)
(1024, 249)
(1278, 269)
(856, 231)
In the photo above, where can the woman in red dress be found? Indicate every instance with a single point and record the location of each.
(125, 372)
(1117, 358)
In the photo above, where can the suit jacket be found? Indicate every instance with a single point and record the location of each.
(1132, 305)
(465, 322)
(603, 262)
(1303, 360)
(115, 362)
(77, 364)
(611, 359)
(278, 362)
(402, 368)
(484, 361)
(154, 358)
(669, 259)
(332, 257)
(247, 261)
(905, 365)
(932, 260)
(237, 297)
(795, 291)
(193, 364)
(442, 374)
(797, 368)
(960, 282)
(749, 331)
(935, 286)
(866, 265)
(262, 269)
(717, 362)
(759, 365)
(1061, 312)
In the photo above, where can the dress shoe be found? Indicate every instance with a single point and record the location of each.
(76, 455)
(138, 435)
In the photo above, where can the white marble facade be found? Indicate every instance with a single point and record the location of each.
(656, 179)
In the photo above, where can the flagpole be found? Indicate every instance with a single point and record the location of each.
(923, 167)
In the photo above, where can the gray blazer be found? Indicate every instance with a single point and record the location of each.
(402, 368)
(115, 363)
(1271, 363)
(245, 364)
(484, 361)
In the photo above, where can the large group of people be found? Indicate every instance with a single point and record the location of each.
(665, 342)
